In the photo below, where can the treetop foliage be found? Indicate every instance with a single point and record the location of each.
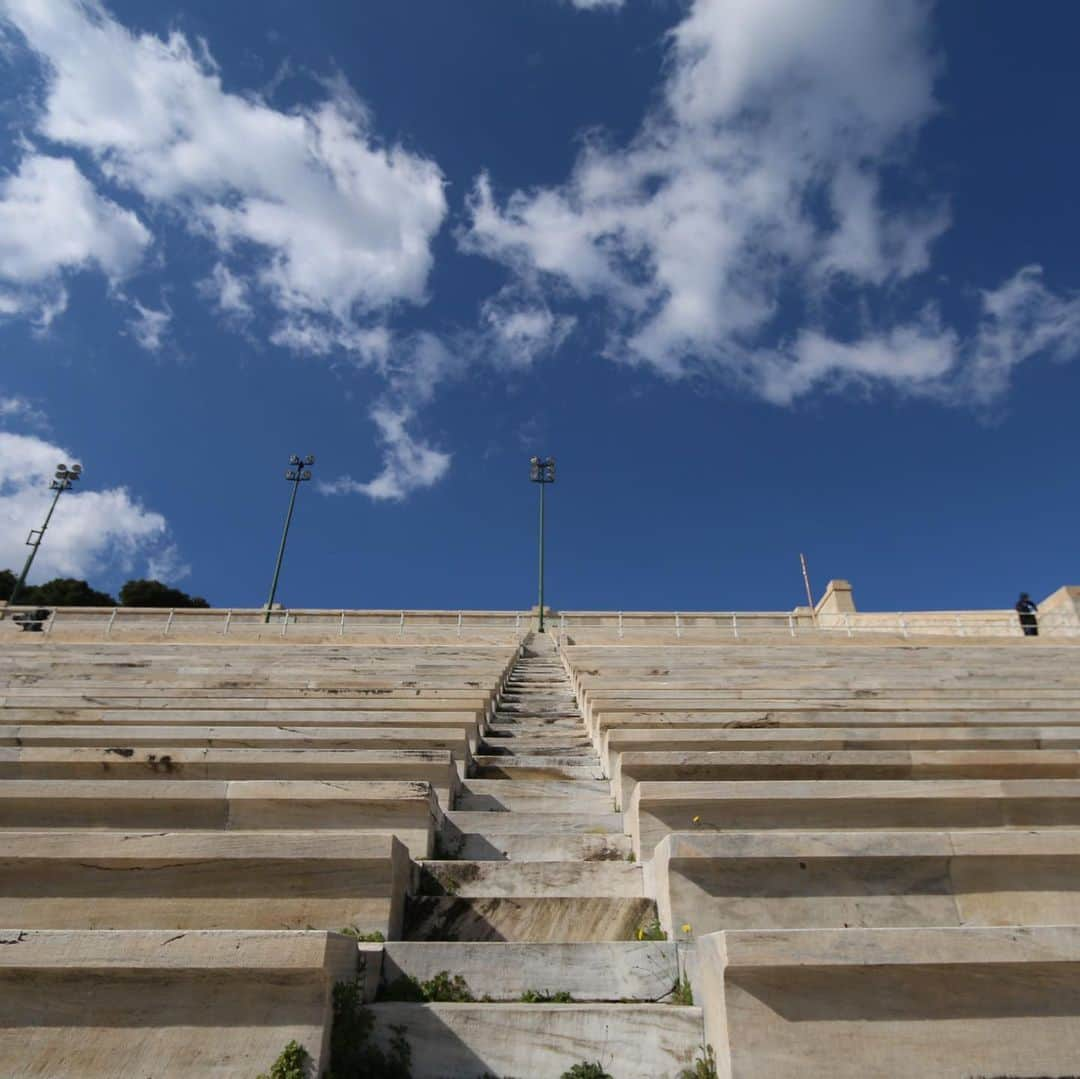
(70, 592)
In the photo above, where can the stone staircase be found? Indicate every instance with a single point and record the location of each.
(533, 895)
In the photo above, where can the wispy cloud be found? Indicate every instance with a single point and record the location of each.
(753, 199)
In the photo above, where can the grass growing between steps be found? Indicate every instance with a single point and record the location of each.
(293, 1062)
(362, 938)
(704, 1067)
(683, 994)
(535, 996)
(651, 931)
(442, 989)
(586, 1070)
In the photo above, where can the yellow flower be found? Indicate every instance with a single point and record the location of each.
(641, 934)
(697, 820)
(686, 928)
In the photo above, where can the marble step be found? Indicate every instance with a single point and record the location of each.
(625, 971)
(531, 847)
(480, 878)
(541, 919)
(630, 1041)
(536, 796)
(526, 768)
(512, 823)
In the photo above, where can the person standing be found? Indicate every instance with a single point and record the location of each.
(1026, 608)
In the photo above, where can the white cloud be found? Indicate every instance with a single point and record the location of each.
(167, 565)
(16, 408)
(519, 329)
(1021, 319)
(149, 326)
(228, 292)
(750, 205)
(91, 531)
(1016, 322)
(336, 225)
(409, 464)
(53, 222)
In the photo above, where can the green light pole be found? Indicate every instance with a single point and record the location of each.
(62, 482)
(542, 472)
(298, 472)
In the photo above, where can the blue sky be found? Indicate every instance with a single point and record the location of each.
(763, 275)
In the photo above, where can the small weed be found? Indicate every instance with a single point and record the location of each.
(651, 931)
(683, 994)
(535, 996)
(293, 1062)
(704, 1065)
(586, 1070)
(631, 857)
(363, 938)
(442, 989)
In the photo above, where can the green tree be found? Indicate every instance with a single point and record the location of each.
(65, 592)
(156, 594)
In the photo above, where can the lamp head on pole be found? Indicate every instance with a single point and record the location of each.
(300, 469)
(542, 469)
(65, 476)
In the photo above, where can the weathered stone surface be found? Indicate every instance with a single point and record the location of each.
(893, 1002)
(203, 880)
(87, 1005)
(802, 880)
(658, 809)
(119, 762)
(844, 764)
(632, 1041)
(408, 810)
(163, 737)
(638, 971)
(531, 878)
(547, 918)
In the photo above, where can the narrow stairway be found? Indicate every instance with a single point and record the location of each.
(534, 897)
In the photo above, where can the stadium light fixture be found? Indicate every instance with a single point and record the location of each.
(542, 472)
(62, 481)
(299, 471)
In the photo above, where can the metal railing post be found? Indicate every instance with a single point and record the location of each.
(341, 625)
(109, 624)
(791, 624)
(401, 625)
(620, 626)
(228, 620)
(734, 624)
(459, 623)
(847, 620)
(284, 622)
(678, 627)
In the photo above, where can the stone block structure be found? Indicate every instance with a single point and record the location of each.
(824, 843)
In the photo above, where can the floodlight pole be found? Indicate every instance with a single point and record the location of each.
(297, 474)
(806, 581)
(542, 472)
(62, 482)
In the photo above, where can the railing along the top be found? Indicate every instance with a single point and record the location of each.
(253, 624)
(702, 627)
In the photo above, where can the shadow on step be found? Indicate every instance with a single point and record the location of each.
(536, 919)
